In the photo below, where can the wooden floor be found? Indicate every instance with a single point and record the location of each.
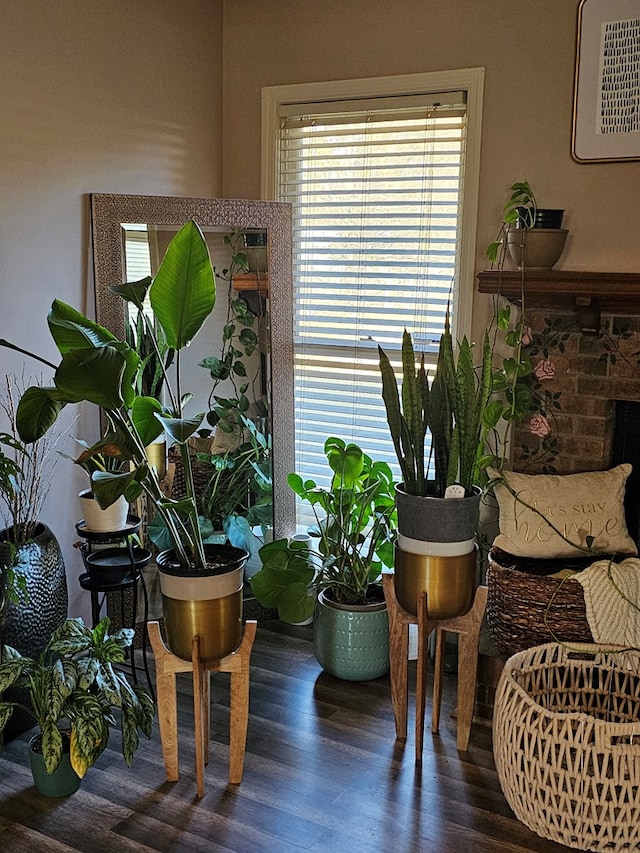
(323, 772)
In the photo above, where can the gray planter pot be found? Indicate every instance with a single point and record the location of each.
(351, 643)
(437, 519)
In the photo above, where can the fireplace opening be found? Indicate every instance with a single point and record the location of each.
(626, 448)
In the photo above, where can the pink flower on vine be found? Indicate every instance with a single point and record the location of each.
(539, 426)
(545, 369)
(527, 336)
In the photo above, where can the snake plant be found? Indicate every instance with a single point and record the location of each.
(454, 409)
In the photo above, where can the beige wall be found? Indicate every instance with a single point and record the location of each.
(97, 96)
(527, 48)
(126, 96)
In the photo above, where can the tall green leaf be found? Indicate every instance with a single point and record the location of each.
(183, 292)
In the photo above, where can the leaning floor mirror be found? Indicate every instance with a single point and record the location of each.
(245, 350)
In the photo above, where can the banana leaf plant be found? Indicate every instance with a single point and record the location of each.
(96, 367)
(74, 683)
(454, 408)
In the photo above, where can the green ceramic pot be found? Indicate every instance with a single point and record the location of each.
(351, 643)
(61, 783)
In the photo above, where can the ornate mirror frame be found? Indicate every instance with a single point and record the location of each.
(109, 211)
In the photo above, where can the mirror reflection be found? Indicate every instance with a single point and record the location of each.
(241, 377)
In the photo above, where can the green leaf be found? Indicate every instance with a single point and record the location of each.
(144, 411)
(179, 430)
(6, 710)
(183, 292)
(107, 487)
(296, 604)
(94, 375)
(10, 671)
(37, 411)
(346, 461)
(133, 291)
(51, 745)
(503, 318)
(492, 414)
(71, 330)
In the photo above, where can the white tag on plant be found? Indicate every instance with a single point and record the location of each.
(454, 491)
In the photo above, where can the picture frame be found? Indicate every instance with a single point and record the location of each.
(606, 99)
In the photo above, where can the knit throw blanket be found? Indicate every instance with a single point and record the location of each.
(612, 599)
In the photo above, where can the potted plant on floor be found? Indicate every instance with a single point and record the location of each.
(29, 551)
(438, 518)
(201, 587)
(353, 542)
(75, 695)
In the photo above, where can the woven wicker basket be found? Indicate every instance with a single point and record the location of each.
(525, 609)
(566, 740)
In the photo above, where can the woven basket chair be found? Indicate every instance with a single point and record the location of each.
(566, 740)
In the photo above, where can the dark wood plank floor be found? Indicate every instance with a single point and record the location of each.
(323, 772)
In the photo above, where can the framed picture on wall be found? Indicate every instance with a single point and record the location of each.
(606, 98)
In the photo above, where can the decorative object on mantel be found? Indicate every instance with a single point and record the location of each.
(536, 248)
(533, 235)
(604, 126)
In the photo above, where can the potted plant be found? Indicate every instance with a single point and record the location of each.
(75, 695)
(438, 518)
(201, 587)
(104, 456)
(353, 535)
(33, 590)
(533, 235)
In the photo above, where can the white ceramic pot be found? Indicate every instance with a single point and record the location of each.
(98, 520)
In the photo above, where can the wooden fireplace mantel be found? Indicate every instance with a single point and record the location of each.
(613, 293)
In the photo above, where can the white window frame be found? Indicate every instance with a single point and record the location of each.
(470, 80)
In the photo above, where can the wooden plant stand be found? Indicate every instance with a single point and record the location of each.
(167, 666)
(467, 628)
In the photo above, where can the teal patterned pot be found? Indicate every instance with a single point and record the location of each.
(351, 642)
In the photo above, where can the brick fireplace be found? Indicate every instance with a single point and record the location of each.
(589, 374)
(586, 326)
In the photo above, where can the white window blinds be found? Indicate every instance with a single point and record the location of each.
(376, 189)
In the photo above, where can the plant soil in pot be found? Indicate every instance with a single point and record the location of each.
(205, 603)
(352, 641)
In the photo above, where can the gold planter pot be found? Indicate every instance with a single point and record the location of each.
(208, 605)
(448, 581)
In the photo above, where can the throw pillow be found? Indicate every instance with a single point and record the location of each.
(558, 515)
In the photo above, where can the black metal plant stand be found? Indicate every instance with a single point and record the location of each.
(116, 570)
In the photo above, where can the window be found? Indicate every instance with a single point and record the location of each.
(380, 240)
